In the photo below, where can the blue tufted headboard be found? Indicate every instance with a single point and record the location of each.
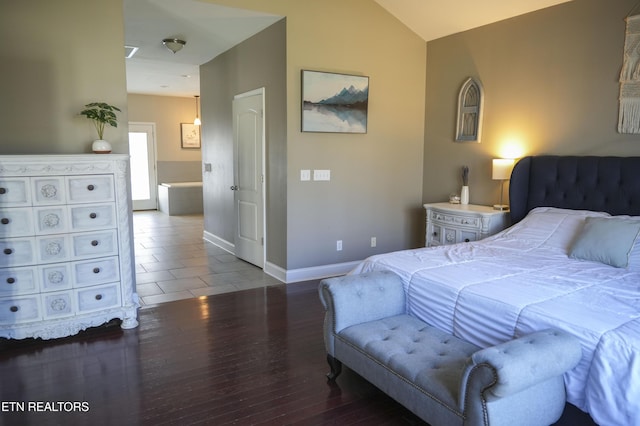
(609, 184)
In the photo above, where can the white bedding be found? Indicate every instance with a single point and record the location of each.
(522, 280)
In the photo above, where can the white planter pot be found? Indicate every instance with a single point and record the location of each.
(101, 146)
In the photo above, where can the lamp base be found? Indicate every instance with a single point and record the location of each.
(501, 207)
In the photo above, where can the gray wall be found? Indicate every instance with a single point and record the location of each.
(551, 87)
(56, 57)
(257, 62)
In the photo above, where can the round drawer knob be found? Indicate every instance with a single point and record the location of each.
(91, 187)
(96, 270)
(3, 190)
(11, 280)
(94, 243)
(8, 251)
(93, 215)
(98, 297)
(5, 221)
(14, 309)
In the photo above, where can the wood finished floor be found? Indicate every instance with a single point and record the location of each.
(249, 357)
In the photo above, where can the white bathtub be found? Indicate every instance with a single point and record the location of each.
(178, 198)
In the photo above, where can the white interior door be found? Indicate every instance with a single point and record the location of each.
(144, 188)
(248, 187)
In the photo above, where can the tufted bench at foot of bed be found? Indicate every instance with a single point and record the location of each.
(442, 379)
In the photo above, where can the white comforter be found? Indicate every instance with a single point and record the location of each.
(522, 280)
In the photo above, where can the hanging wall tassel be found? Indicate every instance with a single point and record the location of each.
(629, 113)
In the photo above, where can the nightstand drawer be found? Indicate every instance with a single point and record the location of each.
(441, 235)
(443, 218)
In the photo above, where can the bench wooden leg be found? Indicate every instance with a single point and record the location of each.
(336, 368)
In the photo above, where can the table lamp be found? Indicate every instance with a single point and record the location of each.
(501, 171)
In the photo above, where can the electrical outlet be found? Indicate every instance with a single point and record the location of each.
(374, 242)
(339, 245)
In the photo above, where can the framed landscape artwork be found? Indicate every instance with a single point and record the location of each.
(334, 103)
(189, 135)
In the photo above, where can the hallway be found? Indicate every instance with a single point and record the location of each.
(173, 262)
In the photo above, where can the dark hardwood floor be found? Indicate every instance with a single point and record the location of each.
(249, 357)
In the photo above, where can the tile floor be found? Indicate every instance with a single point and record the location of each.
(173, 261)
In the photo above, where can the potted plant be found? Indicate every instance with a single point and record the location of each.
(100, 114)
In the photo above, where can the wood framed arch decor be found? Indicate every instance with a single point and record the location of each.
(470, 106)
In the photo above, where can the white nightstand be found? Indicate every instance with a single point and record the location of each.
(456, 223)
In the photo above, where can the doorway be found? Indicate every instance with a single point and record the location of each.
(249, 180)
(142, 143)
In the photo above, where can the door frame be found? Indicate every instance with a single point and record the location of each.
(154, 146)
(259, 91)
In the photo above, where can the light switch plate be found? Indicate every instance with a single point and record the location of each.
(305, 175)
(322, 175)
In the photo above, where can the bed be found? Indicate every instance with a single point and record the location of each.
(570, 260)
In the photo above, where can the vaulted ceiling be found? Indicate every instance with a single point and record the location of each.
(210, 29)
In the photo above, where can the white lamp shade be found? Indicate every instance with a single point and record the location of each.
(502, 168)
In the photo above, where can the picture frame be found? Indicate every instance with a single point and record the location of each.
(333, 102)
(189, 136)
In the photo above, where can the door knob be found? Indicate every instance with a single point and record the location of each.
(234, 187)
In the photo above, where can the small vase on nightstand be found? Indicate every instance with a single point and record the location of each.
(464, 195)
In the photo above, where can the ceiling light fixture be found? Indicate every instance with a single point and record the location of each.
(197, 121)
(174, 44)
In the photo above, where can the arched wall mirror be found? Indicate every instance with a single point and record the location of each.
(470, 102)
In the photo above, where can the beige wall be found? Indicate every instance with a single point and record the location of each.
(173, 163)
(551, 84)
(167, 112)
(375, 178)
(56, 57)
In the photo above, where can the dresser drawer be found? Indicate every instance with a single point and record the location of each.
(19, 309)
(17, 281)
(51, 220)
(17, 222)
(96, 271)
(53, 248)
(85, 189)
(97, 216)
(95, 244)
(54, 277)
(17, 252)
(58, 305)
(98, 298)
(14, 192)
(48, 190)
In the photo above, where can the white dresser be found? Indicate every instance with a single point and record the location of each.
(66, 244)
(456, 223)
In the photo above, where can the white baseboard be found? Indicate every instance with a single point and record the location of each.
(219, 242)
(319, 272)
(289, 276)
